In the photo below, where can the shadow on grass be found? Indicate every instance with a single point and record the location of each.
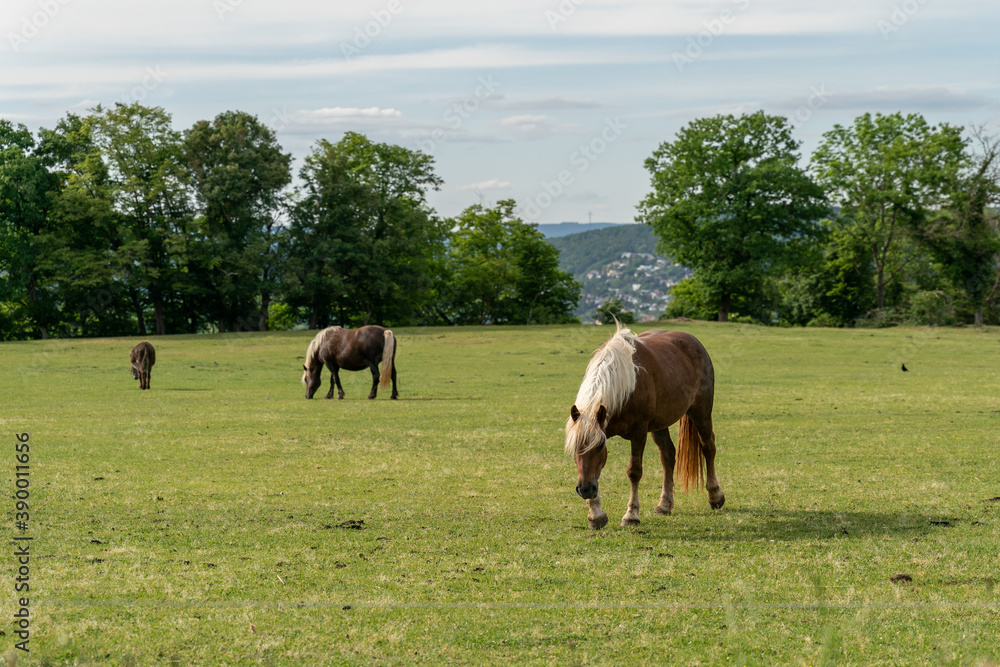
(786, 525)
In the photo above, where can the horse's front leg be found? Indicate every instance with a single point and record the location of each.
(667, 455)
(335, 383)
(596, 517)
(634, 473)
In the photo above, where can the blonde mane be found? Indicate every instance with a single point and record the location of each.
(312, 352)
(609, 381)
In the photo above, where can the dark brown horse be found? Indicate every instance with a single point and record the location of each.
(351, 350)
(142, 358)
(640, 384)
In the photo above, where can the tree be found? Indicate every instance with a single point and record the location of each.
(239, 171)
(26, 193)
(150, 184)
(887, 173)
(963, 237)
(85, 251)
(503, 271)
(730, 202)
(362, 238)
(612, 310)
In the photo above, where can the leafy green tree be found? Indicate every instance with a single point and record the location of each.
(612, 310)
(730, 202)
(963, 237)
(887, 173)
(691, 299)
(320, 244)
(239, 171)
(85, 255)
(150, 183)
(27, 187)
(832, 289)
(362, 239)
(503, 271)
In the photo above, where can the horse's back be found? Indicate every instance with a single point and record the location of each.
(354, 348)
(143, 352)
(678, 372)
(670, 344)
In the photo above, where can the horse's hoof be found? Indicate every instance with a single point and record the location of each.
(626, 522)
(663, 511)
(598, 523)
(717, 504)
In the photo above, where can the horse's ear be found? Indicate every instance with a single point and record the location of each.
(602, 413)
(574, 413)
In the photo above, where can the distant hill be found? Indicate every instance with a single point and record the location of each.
(619, 261)
(556, 229)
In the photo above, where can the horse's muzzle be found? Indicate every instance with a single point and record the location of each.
(587, 491)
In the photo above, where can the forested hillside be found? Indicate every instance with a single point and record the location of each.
(619, 262)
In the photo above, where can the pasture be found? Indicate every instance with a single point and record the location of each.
(222, 518)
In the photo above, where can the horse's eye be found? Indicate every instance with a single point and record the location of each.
(599, 447)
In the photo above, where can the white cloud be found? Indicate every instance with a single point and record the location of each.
(546, 104)
(346, 114)
(529, 126)
(492, 184)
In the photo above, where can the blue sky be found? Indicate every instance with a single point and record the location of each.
(556, 104)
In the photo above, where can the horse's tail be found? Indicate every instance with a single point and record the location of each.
(690, 459)
(388, 356)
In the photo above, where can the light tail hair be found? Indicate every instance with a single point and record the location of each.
(690, 463)
(388, 356)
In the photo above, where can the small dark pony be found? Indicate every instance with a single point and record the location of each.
(352, 350)
(142, 358)
(640, 384)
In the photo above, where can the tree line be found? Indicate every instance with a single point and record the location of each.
(115, 223)
(893, 220)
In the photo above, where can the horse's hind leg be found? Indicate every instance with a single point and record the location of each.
(716, 498)
(375, 378)
(634, 474)
(668, 453)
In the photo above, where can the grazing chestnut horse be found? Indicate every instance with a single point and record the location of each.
(640, 384)
(143, 357)
(352, 350)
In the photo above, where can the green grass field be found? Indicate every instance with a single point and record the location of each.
(221, 518)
